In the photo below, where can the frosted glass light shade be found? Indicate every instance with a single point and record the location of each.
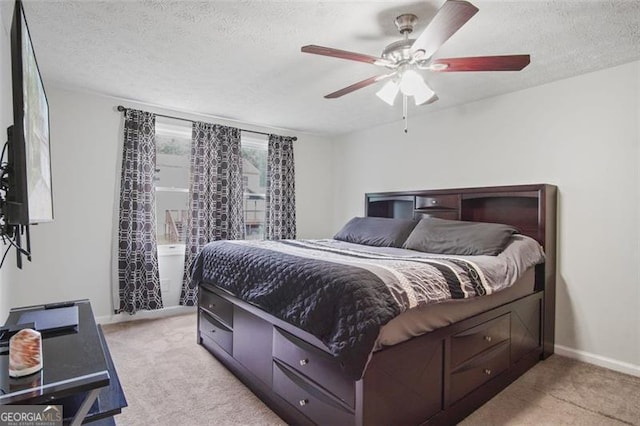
(423, 94)
(388, 92)
(411, 82)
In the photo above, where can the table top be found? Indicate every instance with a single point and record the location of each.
(73, 361)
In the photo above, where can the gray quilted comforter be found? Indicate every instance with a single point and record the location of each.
(343, 293)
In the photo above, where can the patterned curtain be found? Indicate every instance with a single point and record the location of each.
(216, 195)
(139, 281)
(281, 189)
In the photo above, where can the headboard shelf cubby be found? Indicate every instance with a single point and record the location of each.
(400, 206)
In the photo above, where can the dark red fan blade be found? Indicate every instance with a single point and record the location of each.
(358, 85)
(343, 54)
(450, 18)
(483, 63)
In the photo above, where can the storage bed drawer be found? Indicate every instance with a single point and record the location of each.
(479, 370)
(216, 331)
(217, 306)
(471, 342)
(438, 202)
(319, 407)
(318, 366)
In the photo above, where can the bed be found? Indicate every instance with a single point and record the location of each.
(384, 356)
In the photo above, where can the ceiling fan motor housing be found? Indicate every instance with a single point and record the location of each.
(400, 51)
(406, 22)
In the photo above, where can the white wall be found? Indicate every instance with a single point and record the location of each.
(314, 187)
(580, 134)
(72, 255)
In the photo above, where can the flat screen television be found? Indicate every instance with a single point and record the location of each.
(25, 177)
(29, 193)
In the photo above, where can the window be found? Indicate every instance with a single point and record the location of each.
(254, 170)
(173, 161)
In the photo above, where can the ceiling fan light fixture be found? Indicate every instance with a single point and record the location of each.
(388, 92)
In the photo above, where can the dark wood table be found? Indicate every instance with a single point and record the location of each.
(78, 372)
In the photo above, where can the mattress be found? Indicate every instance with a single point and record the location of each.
(424, 319)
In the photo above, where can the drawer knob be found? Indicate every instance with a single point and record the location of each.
(488, 338)
(303, 402)
(304, 362)
(213, 331)
(487, 371)
(212, 305)
(434, 201)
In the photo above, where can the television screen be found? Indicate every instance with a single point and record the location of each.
(31, 190)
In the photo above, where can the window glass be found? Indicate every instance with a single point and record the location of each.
(173, 158)
(254, 170)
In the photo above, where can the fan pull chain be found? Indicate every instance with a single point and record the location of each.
(405, 115)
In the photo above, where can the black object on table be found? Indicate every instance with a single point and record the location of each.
(78, 372)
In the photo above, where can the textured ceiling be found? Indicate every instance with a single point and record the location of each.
(241, 60)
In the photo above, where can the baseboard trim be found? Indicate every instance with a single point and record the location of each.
(611, 364)
(160, 313)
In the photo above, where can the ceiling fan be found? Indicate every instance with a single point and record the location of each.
(406, 58)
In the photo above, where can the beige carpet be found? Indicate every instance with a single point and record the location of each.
(170, 380)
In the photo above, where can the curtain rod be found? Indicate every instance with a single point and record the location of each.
(123, 109)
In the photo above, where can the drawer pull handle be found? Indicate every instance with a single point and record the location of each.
(487, 371)
(488, 338)
(304, 362)
(303, 402)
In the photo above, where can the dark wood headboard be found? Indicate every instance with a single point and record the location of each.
(530, 208)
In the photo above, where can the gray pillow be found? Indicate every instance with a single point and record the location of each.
(376, 231)
(442, 236)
